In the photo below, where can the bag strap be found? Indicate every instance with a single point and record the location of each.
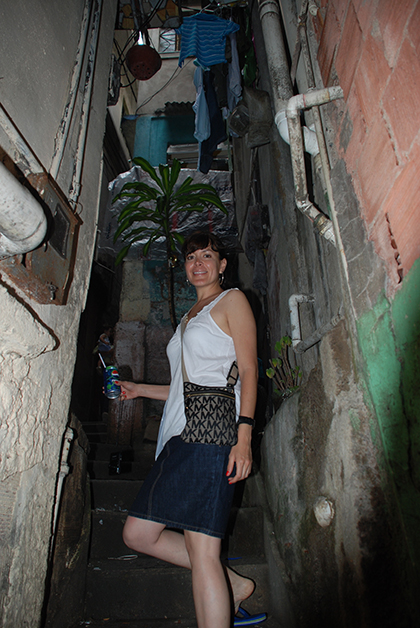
(233, 374)
(184, 370)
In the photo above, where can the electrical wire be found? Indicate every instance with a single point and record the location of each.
(171, 78)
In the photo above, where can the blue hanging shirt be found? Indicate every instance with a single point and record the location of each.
(204, 36)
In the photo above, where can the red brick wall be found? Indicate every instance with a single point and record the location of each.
(372, 49)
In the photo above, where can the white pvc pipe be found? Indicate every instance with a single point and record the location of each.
(283, 99)
(23, 223)
(294, 301)
(64, 471)
(310, 138)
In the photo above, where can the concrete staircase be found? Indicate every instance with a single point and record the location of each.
(126, 589)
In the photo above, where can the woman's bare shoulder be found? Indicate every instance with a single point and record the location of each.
(235, 299)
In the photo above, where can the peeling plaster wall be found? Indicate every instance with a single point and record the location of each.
(38, 342)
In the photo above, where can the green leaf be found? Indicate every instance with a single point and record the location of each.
(122, 254)
(175, 170)
(270, 373)
(147, 167)
(179, 237)
(185, 185)
(165, 175)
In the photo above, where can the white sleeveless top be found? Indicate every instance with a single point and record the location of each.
(208, 356)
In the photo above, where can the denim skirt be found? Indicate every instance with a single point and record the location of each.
(187, 488)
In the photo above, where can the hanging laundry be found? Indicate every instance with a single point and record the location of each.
(234, 75)
(204, 36)
(218, 129)
(201, 110)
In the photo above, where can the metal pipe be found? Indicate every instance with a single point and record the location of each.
(318, 334)
(23, 223)
(64, 128)
(87, 96)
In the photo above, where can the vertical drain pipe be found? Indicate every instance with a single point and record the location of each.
(283, 93)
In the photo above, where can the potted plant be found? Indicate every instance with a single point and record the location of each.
(150, 208)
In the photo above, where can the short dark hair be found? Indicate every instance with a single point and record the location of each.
(201, 240)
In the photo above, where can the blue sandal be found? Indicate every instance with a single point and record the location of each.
(243, 618)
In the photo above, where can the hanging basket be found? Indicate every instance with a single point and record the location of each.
(143, 62)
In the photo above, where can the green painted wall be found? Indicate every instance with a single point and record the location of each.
(389, 337)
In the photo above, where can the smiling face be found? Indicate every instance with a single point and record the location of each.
(203, 267)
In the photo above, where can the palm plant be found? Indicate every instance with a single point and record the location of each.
(149, 210)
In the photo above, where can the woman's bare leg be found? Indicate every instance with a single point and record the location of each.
(210, 589)
(152, 538)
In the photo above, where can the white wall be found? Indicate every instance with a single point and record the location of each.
(38, 342)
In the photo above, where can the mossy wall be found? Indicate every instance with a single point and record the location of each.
(389, 337)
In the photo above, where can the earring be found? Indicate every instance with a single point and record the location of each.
(187, 281)
(221, 278)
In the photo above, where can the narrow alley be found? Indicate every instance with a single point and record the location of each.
(290, 130)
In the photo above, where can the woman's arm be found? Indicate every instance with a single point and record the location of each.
(130, 390)
(242, 328)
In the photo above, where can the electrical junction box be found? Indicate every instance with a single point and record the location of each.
(45, 274)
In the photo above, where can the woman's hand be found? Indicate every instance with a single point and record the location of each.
(241, 456)
(129, 390)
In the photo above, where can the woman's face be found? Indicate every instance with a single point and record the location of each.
(203, 267)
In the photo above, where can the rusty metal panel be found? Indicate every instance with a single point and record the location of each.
(46, 273)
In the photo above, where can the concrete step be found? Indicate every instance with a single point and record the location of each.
(114, 494)
(146, 589)
(136, 470)
(243, 538)
(167, 622)
(102, 451)
(94, 427)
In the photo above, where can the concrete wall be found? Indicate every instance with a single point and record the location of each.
(38, 342)
(351, 435)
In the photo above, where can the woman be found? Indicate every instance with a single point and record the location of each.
(191, 485)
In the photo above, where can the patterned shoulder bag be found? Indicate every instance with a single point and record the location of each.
(209, 410)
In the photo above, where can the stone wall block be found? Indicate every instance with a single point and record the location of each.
(371, 77)
(392, 19)
(365, 12)
(351, 39)
(402, 207)
(330, 38)
(352, 133)
(414, 29)
(404, 87)
(377, 157)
